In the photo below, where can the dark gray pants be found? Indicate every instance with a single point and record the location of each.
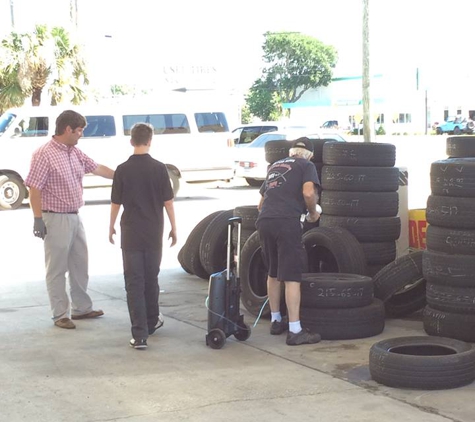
(141, 270)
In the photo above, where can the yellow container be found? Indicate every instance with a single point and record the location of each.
(417, 229)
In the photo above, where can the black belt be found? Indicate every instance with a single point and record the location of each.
(57, 212)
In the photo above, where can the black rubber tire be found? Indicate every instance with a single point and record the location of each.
(245, 234)
(345, 323)
(360, 204)
(335, 290)
(451, 212)
(253, 274)
(451, 299)
(333, 249)
(453, 177)
(276, 150)
(255, 183)
(360, 179)
(214, 242)
(429, 363)
(12, 192)
(450, 270)
(401, 286)
(366, 229)
(243, 332)
(449, 324)
(379, 253)
(460, 146)
(175, 181)
(362, 154)
(249, 214)
(451, 241)
(318, 149)
(181, 260)
(191, 252)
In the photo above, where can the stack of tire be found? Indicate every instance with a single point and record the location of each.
(359, 193)
(449, 261)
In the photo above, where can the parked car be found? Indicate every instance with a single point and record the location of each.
(456, 125)
(250, 160)
(246, 133)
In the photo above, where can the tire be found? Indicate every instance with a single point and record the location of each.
(359, 154)
(451, 299)
(182, 261)
(401, 285)
(329, 290)
(216, 338)
(254, 182)
(439, 131)
(333, 249)
(460, 146)
(175, 181)
(191, 249)
(453, 177)
(318, 149)
(360, 204)
(213, 245)
(451, 241)
(379, 253)
(253, 277)
(451, 212)
(245, 234)
(12, 192)
(449, 324)
(249, 214)
(360, 179)
(450, 270)
(345, 323)
(457, 130)
(276, 150)
(366, 229)
(429, 363)
(243, 332)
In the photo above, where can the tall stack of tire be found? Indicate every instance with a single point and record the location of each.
(359, 193)
(449, 261)
(340, 306)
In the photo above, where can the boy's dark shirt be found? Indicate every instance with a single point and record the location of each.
(141, 185)
(282, 189)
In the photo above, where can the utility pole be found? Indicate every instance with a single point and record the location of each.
(12, 15)
(368, 126)
(73, 12)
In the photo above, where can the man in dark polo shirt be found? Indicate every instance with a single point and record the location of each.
(288, 192)
(142, 186)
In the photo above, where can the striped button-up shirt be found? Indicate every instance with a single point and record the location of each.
(57, 170)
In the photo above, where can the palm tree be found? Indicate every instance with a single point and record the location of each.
(30, 61)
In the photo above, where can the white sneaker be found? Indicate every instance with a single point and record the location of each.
(159, 324)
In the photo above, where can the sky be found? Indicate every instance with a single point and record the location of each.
(224, 38)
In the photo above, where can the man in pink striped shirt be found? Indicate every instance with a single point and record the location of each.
(55, 183)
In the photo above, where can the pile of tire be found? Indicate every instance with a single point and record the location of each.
(449, 261)
(359, 193)
(340, 306)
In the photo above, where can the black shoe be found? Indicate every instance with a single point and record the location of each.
(138, 344)
(159, 324)
(277, 328)
(303, 337)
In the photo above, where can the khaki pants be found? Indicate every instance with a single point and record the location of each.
(66, 252)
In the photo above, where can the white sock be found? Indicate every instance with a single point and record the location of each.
(295, 327)
(275, 316)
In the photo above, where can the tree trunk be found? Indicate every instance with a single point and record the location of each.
(368, 126)
(36, 97)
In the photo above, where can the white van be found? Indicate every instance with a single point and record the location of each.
(194, 143)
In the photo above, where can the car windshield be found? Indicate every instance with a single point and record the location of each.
(5, 121)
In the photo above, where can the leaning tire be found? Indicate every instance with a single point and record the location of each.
(329, 290)
(345, 323)
(333, 249)
(429, 363)
(401, 285)
(213, 246)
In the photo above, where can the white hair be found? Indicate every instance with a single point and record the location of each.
(300, 152)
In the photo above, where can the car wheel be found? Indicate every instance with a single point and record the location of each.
(12, 192)
(254, 182)
(439, 131)
(457, 130)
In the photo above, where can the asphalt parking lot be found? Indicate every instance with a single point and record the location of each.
(90, 374)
